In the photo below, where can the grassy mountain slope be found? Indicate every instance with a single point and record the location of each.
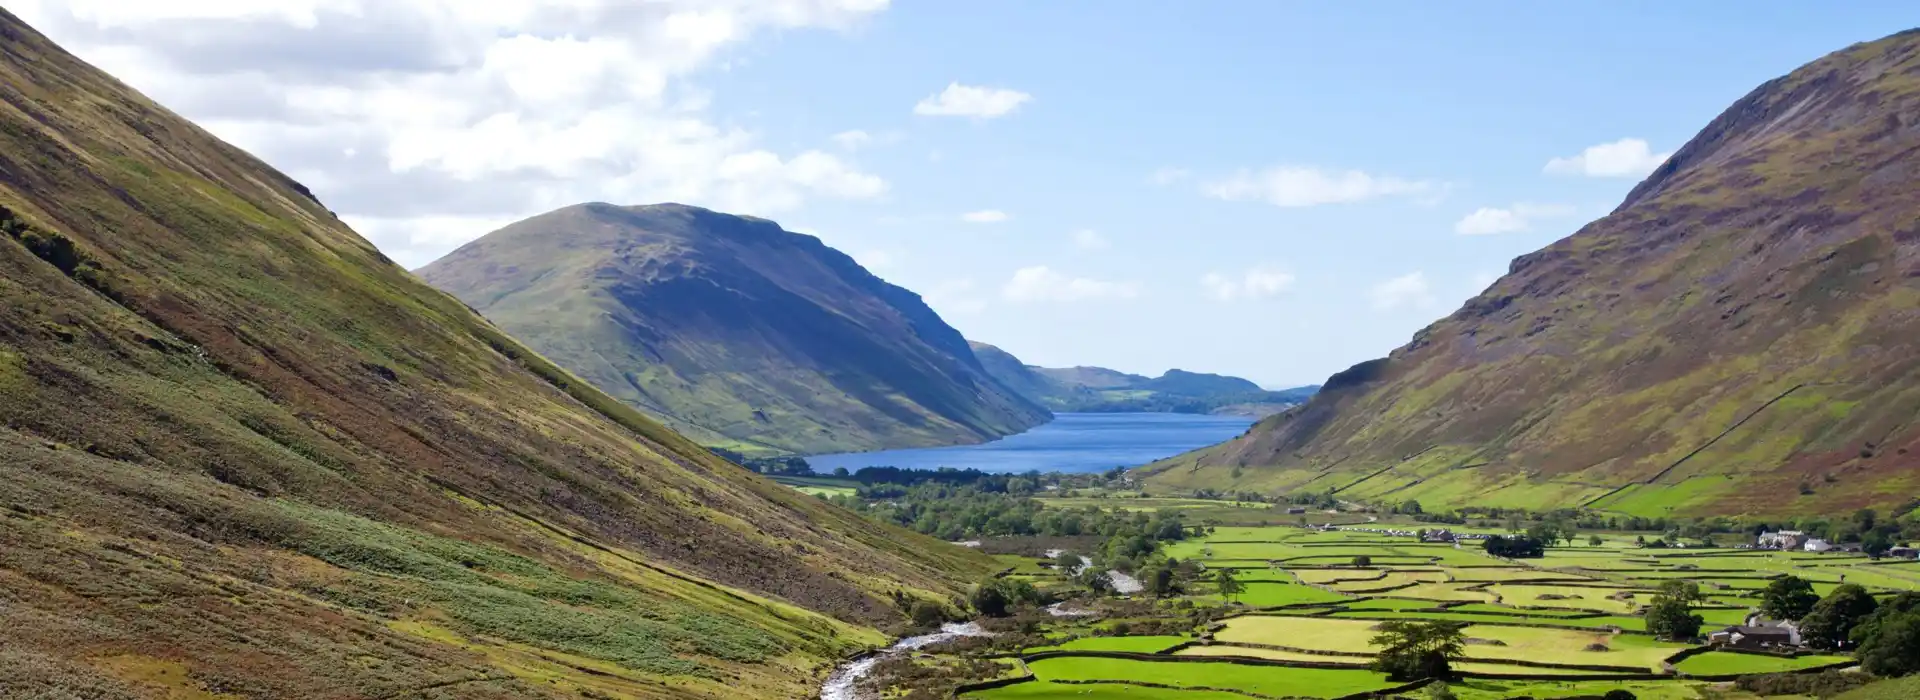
(244, 455)
(1742, 335)
(1102, 390)
(744, 335)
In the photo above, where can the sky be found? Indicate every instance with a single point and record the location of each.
(1273, 190)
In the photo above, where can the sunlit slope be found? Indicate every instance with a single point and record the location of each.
(242, 452)
(740, 333)
(1742, 335)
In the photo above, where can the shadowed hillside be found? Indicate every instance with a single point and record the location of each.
(243, 452)
(1742, 335)
(741, 334)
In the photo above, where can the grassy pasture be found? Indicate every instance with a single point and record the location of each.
(1267, 595)
(1263, 680)
(1715, 663)
(1139, 644)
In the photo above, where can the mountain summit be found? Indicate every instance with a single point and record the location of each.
(733, 330)
(1742, 335)
(242, 454)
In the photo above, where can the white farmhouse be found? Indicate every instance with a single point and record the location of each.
(1818, 545)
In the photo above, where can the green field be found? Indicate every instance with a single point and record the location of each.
(1143, 645)
(1717, 663)
(1263, 680)
(1577, 607)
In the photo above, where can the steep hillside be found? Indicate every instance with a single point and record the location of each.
(244, 455)
(744, 335)
(1102, 390)
(1742, 335)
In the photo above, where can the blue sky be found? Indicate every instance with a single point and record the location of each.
(1275, 190)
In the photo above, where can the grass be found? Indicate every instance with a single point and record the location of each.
(1718, 663)
(1140, 644)
(1042, 690)
(1264, 680)
(1894, 689)
(1267, 595)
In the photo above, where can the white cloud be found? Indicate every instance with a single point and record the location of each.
(1041, 284)
(972, 101)
(1521, 216)
(877, 260)
(958, 297)
(1089, 239)
(1290, 186)
(1256, 283)
(852, 139)
(1168, 176)
(985, 216)
(1409, 291)
(1627, 157)
(408, 114)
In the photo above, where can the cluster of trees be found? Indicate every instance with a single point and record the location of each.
(1885, 635)
(1518, 547)
(1670, 614)
(998, 597)
(781, 466)
(1412, 649)
(1865, 527)
(995, 508)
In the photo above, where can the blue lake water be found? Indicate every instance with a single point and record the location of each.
(1073, 442)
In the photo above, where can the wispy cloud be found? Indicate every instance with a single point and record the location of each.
(1628, 157)
(1293, 186)
(979, 102)
(1040, 283)
(1089, 239)
(1487, 221)
(1255, 283)
(1408, 291)
(985, 216)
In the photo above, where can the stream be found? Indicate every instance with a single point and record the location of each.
(843, 684)
(1122, 583)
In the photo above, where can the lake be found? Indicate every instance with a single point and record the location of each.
(1073, 442)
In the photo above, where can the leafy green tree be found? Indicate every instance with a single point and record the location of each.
(1670, 615)
(1229, 586)
(989, 599)
(926, 614)
(1891, 647)
(1363, 561)
(1160, 582)
(1067, 561)
(1830, 624)
(1415, 649)
(1788, 598)
(1619, 694)
(1595, 541)
(1096, 581)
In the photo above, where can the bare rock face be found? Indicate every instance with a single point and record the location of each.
(1742, 335)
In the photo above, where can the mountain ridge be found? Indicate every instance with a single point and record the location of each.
(1091, 389)
(751, 337)
(1736, 337)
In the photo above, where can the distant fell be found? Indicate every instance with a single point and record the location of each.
(737, 332)
(1102, 390)
(1740, 336)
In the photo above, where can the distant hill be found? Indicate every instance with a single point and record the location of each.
(1102, 390)
(245, 455)
(739, 333)
(1740, 336)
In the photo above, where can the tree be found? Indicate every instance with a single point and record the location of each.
(839, 471)
(1619, 694)
(1229, 586)
(1363, 561)
(1412, 649)
(926, 614)
(998, 597)
(1067, 561)
(1892, 646)
(1788, 598)
(1888, 641)
(1160, 581)
(1518, 547)
(1595, 541)
(1830, 624)
(1670, 615)
(1095, 581)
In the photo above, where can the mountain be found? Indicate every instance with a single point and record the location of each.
(1102, 390)
(242, 454)
(1741, 335)
(741, 334)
